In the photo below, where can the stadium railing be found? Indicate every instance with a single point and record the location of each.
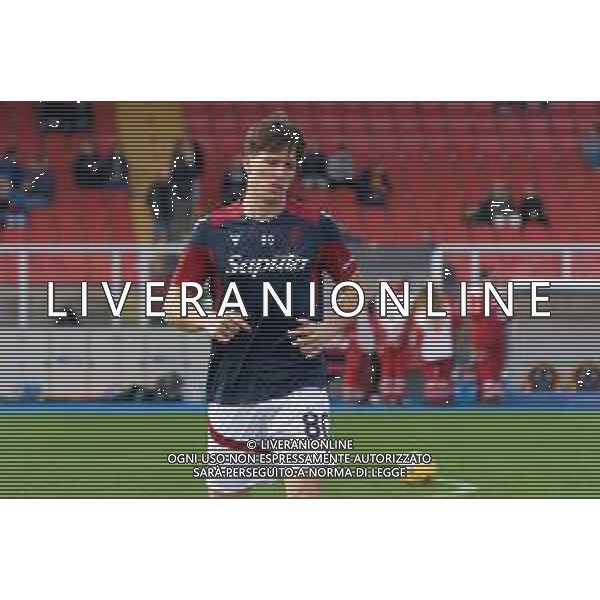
(145, 253)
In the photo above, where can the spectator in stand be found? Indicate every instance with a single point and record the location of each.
(187, 167)
(591, 149)
(183, 171)
(532, 208)
(340, 168)
(88, 169)
(116, 170)
(43, 184)
(39, 189)
(478, 215)
(234, 182)
(52, 115)
(82, 116)
(313, 169)
(507, 217)
(489, 211)
(197, 170)
(198, 158)
(160, 200)
(373, 186)
(12, 170)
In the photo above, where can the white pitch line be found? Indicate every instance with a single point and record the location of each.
(461, 487)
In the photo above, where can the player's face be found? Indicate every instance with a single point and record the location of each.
(271, 173)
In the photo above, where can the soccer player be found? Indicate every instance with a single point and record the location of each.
(266, 376)
(488, 342)
(384, 338)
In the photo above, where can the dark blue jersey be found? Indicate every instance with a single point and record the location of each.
(296, 247)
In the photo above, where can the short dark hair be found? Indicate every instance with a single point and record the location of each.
(274, 134)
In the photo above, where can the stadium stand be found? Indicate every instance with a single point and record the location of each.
(441, 158)
(74, 216)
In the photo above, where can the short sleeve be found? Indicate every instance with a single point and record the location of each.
(334, 257)
(195, 263)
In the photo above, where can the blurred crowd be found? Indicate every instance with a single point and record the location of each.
(68, 117)
(371, 185)
(93, 170)
(174, 196)
(382, 355)
(500, 209)
(320, 171)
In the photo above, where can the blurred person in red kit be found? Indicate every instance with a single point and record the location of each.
(358, 366)
(488, 343)
(433, 338)
(393, 349)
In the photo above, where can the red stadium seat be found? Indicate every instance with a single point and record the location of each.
(74, 216)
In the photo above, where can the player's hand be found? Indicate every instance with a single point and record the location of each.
(228, 326)
(313, 337)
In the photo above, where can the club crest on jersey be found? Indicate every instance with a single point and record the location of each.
(267, 239)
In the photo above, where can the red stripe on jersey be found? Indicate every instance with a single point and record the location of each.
(226, 213)
(236, 445)
(309, 213)
(335, 258)
(195, 265)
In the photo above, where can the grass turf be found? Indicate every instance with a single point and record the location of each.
(480, 454)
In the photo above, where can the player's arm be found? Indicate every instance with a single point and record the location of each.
(335, 260)
(222, 328)
(196, 265)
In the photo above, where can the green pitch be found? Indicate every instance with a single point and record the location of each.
(480, 454)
